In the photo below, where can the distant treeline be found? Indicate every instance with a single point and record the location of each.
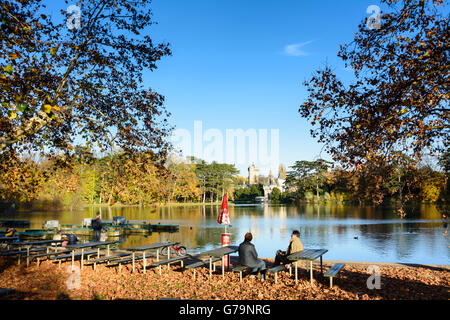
(142, 179)
(121, 178)
(402, 180)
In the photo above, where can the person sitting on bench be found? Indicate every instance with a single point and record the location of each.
(10, 232)
(57, 236)
(295, 245)
(248, 257)
(103, 235)
(69, 239)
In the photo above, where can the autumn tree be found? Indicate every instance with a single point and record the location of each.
(60, 81)
(308, 175)
(20, 179)
(248, 194)
(398, 100)
(182, 181)
(215, 178)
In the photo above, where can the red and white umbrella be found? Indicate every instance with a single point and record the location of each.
(224, 219)
(224, 216)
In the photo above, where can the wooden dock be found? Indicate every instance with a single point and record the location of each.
(113, 228)
(9, 223)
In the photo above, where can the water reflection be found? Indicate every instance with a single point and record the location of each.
(348, 232)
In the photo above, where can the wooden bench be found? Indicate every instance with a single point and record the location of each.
(333, 271)
(125, 261)
(69, 256)
(107, 259)
(47, 255)
(169, 261)
(241, 269)
(202, 263)
(16, 252)
(277, 269)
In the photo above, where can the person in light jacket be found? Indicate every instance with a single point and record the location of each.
(103, 235)
(249, 257)
(295, 245)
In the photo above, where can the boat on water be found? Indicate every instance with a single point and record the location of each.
(260, 200)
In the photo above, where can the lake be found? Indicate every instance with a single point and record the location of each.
(351, 233)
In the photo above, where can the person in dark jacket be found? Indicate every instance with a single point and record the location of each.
(72, 239)
(97, 227)
(249, 257)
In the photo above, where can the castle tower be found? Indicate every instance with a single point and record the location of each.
(281, 172)
(271, 179)
(253, 173)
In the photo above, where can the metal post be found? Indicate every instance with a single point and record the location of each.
(296, 278)
(82, 258)
(73, 258)
(311, 272)
(133, 260)
(210, 267)
(28, 254)
(143, 257)
(331, 282)
(223, 267)
(321, 267)
(107, 250)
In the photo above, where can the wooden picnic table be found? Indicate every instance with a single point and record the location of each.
(6, 239)
(308, 255)
(219, 253)
(37, 242)
(153, 246)
(92, 244)
(29, 244)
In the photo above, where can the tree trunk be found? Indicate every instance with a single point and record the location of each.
(110, 197)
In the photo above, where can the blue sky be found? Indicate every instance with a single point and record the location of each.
(241, 64)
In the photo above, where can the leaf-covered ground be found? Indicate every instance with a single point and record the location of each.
(50, 282)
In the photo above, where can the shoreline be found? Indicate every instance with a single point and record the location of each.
(387, 264)
(181, 204)
(48, 282)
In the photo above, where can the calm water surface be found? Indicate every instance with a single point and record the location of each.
(349, 233)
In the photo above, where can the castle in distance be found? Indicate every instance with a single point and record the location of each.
(270, 182)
